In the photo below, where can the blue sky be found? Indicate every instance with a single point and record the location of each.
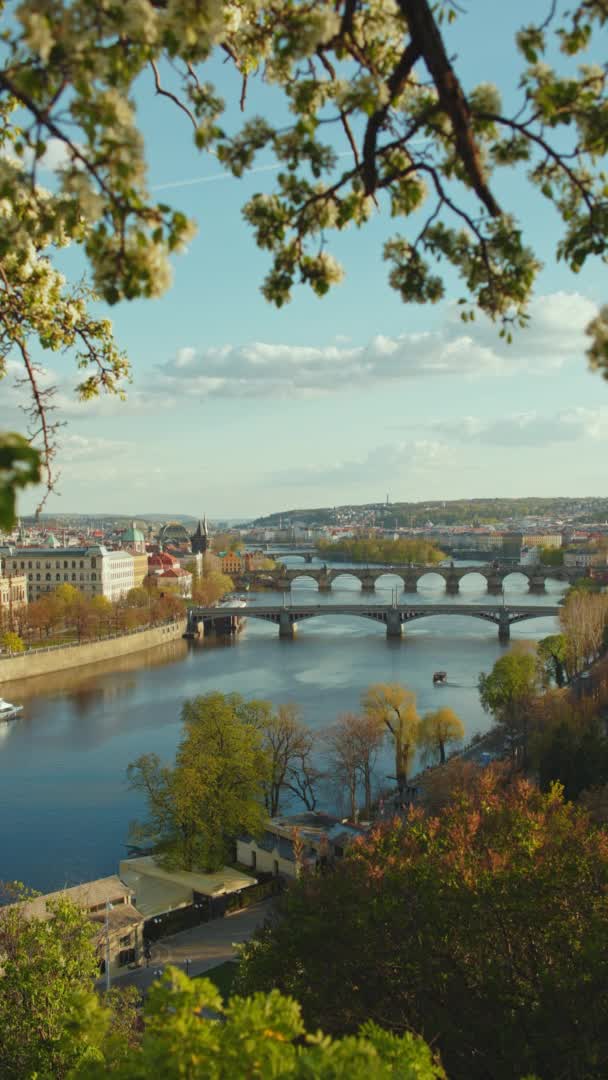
(238, 409)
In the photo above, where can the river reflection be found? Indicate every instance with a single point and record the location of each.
(64, 804)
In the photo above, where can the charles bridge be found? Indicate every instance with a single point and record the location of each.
(283, 578)
(225, 620)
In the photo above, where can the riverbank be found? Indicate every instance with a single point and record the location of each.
(62, 657)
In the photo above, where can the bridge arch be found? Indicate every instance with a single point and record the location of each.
(517, 580)
(348, 579)
(431, 579)
(389, 580)
(473, 581)
(303, 581)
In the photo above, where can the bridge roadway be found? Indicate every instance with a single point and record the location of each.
(495, 574)
(224, 620)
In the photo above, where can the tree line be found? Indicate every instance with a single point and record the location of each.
(389, 552)
(238, 761)
(67, 614)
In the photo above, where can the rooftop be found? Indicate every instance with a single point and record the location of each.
(90, 894)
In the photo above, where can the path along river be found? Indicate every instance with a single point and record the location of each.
(64, 803)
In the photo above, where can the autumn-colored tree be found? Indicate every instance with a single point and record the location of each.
(438, 729)
(45, 614)
(484, 928)
(12, 643)
(583, 618)
(214, 791)
(394, 706)
(437, 788)
(211, 587)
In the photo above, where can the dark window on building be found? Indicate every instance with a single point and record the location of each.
(37, 577)
(254, 859)
(47, 577)
(57, 577)
(126, 956)
(93, 562)
(125, 941)
(275, 867)
(338, 851)
(81, 564)
(65, 564)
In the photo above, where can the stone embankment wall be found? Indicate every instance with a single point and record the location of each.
(62, 657)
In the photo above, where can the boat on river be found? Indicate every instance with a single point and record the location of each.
(439, 678)
(8, 711)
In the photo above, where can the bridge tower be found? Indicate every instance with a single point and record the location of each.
(199, 541)
(452, 583)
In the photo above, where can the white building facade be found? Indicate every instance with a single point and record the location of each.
(93, 570)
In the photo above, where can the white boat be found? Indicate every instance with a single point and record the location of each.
(8, 711)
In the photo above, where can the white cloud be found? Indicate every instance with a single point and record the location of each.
(260, 369)
(382, 461)
(528, 428)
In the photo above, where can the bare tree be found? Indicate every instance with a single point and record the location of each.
(354, 742)
(288, 742)
(303, 775)
(583, 619)
(342, 744)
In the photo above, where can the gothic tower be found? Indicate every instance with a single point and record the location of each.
(199, 540)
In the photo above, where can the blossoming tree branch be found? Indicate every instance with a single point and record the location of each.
(380, 122)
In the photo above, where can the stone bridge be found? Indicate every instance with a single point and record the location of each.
(394, 616)
(283, 578)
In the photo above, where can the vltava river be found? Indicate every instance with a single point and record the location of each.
(64, 804)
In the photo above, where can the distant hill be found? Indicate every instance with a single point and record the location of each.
(446, 512)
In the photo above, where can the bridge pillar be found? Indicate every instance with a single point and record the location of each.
(194, 627)
(368, 583)
(494, 585)
(410, 583)
(393, 624)
(283, 584)
(308, 557)
(537, 585)
(324, 583)
(504, 628)
(452, 584)
(287, 628)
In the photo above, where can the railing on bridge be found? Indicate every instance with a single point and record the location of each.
(394, 616)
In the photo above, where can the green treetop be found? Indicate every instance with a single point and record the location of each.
(215, 789)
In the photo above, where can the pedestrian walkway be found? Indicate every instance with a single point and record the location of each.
(201, 948)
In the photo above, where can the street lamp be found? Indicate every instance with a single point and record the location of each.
(109, 907)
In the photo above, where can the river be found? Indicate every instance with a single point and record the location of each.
(65, 806)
